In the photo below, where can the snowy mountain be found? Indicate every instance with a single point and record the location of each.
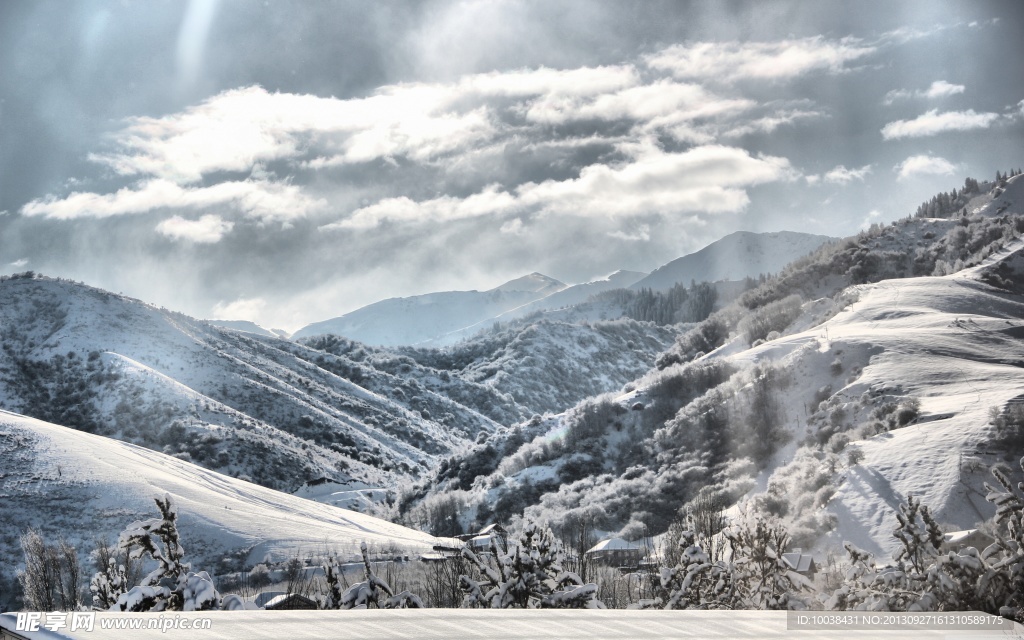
(423, 318)
(441, 319)
(862, 374)
(568, 297)
(549, 365)
(282, 412)
(726, 263)
(246, 325)
(736, 256)
(82, 486)
(240, 403)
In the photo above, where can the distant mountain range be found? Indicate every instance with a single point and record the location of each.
(736, 256)
(419, 319)
(438, 319)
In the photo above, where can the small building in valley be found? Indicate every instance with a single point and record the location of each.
(616, 552)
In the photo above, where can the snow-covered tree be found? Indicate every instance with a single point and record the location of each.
(925, 579)
(697, 581)
(108, 585)
(50, 579)
(1006, 555)
(365, 594)
(528, 575)
(761, 578)
(116, 572)
(171, 586)
(900, 587)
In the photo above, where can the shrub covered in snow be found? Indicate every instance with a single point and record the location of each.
(750, 575)
(171, 586)
(926, 579)
(528, 575)
(366, 594)
(49, 581)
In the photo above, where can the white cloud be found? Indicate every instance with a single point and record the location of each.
(17, 264)
(942, 89)
(770, 123)
(871, 218)
(206, 230)
(584, 81)
(938, 89)
(781, 60)
(933, 122)
(896, 95)
(257, 198)
(237, 129)
(513, 227)
(924, 165)
(492, 200)
(240, 309)
(661, 104)
(710, 178)
(842, 175)
(642, 233)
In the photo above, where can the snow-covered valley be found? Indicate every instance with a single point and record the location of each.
(866, 372)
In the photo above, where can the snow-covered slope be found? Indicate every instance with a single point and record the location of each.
(954, 343)
(827, 395)
(735, 257)
(552, 365)
(81, 486)
(237, 402)
(245, 325)
(420, 319)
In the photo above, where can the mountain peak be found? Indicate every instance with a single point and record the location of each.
(532, 283)
(734, 257)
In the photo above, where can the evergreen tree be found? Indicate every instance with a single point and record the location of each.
(116, 572)
(528, 575)
(171, 586)
(1006, 556)
(108, 585)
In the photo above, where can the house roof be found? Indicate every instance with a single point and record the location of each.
(288, 597)
(612, 544)
(263, 598)
(957, 536)
(800, 562)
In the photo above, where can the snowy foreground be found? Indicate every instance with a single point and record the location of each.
(90, 485)
(503, 624)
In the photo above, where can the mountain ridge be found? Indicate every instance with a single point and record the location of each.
(443, 318)
(739, 255)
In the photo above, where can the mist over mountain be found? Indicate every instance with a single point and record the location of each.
(739, 255)
(420, 319)
(439, 319)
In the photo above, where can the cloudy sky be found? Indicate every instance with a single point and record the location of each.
(286, 163)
